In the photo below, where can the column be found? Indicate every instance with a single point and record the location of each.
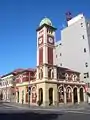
(72, 97)
(65, 96)
(45, 72)
(37, 91)
(55, 96)
(78, 95)
(45, 96)
(84, 96)
(55, 73)
(37, 74)
(16, 97)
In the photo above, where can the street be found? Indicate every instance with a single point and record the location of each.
(15, 112)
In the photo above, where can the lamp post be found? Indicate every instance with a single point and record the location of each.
(29, 90)
(13, 93)
(6, 90)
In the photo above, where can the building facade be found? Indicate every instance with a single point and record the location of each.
(23, 82)
(74, 52)
(7, 88)
(48, 84)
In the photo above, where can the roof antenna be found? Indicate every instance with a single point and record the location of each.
(68, 16)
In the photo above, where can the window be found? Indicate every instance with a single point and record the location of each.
(86, 64)
(88, 25)
(60, 54)
(81, 24)
(60, 44)
(49, 73)
(40, 74)
(84, 49)
(86, 75)
(60, 64)
(83, 36)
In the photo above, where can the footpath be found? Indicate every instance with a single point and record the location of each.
(60, 107)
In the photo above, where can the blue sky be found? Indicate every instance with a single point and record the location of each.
(18, 22)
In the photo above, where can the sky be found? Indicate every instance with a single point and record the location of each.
(19, 20)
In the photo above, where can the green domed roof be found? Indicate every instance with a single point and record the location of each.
(45, 21)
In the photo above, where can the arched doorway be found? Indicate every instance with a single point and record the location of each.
(61, 94)
(1, 96)
(34, 95)
(68, 94)
(75, 95)
(40, 96)
(81, 95)
(50, 96)
(17, 96)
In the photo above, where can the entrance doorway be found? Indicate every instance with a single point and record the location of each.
(75, 95)
(81, 95)
(18, 96)
(50, 96)
(40, 96)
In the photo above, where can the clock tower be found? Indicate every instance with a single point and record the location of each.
(46, 70)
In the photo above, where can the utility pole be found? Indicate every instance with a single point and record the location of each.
(29, 89)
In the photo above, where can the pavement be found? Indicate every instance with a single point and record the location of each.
(16, 111)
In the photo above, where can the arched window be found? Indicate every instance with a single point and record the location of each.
(72, 77)
(66, 76)
(75, 77)
(68, 94)
(40, 74)
(50, 73)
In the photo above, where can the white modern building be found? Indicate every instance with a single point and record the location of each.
(73, 51)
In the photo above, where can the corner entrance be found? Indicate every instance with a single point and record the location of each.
(50, 96)
(40, 96)
(75, 95)
(18, 96)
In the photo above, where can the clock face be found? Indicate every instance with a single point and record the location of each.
(40, 40)
(50, 39)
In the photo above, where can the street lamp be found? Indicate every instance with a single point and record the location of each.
(6, 90)
(29, 89)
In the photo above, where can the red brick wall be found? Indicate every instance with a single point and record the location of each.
(40, 56)
(50, 55)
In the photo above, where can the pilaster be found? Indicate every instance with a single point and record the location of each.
(65, 96)
(55, 97)
(72, 98)
(55, 73)
(78, 95)
(45, 71)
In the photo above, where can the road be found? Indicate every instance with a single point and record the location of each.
(13, 112)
